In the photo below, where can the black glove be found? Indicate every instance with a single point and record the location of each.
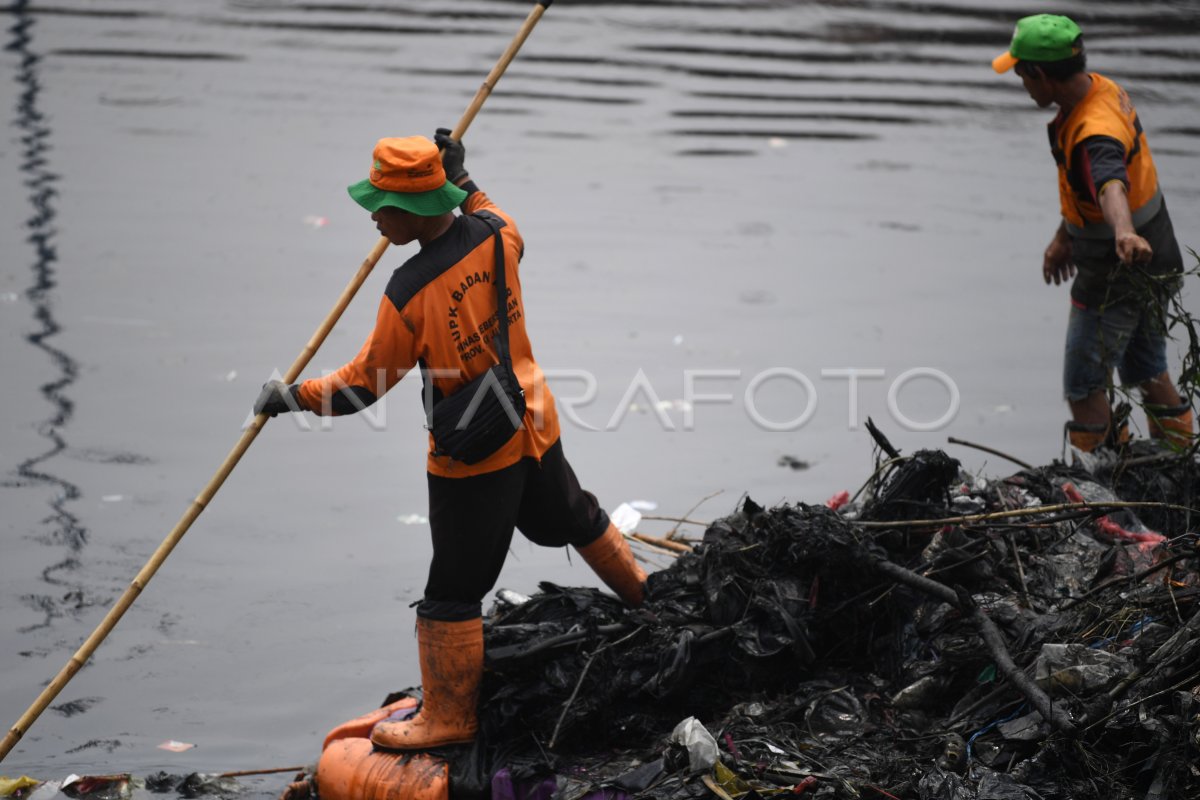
(277, 397)
(453, 154)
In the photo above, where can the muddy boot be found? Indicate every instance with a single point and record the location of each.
(1085, 436)
(610, 558)
(1172, 423)
(451, 667)
(360, 727)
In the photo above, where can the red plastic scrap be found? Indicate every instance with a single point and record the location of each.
(882, 792)
(1110, 528)
(804, 785)
(737, 756)
(838, 500)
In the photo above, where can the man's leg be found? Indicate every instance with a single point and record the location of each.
(471, 520)
(1096, 342)
(1160, 391)
(1168, 416)
(1091, 410)
(556, 511)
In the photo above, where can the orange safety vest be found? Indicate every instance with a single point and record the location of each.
(1105, 111)
(439, 312)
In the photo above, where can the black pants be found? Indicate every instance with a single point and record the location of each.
(472, 521)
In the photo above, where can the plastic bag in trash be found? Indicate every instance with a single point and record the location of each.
(998, 786)
(1029, 728)
(625, 518)
(1077, 669)
(99, 787)
(700, 744)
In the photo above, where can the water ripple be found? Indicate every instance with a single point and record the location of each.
(40, 182)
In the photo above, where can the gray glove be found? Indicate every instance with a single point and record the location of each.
(277, 397)
(453, 154)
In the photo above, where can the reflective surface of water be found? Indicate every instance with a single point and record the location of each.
(746, 193)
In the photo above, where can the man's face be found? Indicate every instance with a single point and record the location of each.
(1037, 85)
(399, 226)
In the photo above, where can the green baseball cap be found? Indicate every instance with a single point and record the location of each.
(1042, 37)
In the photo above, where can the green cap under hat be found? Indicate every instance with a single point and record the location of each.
(1042, 37)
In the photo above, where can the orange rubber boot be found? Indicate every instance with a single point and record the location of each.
(360, 727)
(610, 558)
(451, 667)
(1172, 423)
(1086, 436)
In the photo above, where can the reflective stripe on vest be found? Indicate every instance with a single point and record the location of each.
(1102, 230)
(1105, 111)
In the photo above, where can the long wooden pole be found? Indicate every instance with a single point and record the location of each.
(202, 500)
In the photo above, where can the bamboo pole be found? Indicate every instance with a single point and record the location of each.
(506, 58)
(242, 773)
(76, 662)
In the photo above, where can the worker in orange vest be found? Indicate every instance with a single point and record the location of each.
(1115, 238)
(440, 312)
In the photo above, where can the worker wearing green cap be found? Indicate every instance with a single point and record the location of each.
(1115, 238)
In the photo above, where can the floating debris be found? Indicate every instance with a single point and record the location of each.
(793, 463)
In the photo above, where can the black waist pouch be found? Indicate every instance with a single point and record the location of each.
(484, 415)
(479, 418)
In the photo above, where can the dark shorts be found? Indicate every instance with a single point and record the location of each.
(472, 521)
(1131, 338)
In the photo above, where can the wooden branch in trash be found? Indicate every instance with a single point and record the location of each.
(245, 772)
(1154, 459)
(666, 544)
(671, 533)
(653, 548)
(1127, 579)
(579, 683)
(1012, 543)
(987, 449)
(1022, 512)
(1190, 628)
(681, 520)
(994, 639)
(571, 699)
(991, 635)
(569, 637)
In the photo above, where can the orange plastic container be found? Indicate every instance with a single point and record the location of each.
(352, 769)
(360, 727)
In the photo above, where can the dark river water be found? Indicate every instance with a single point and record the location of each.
(749, 227)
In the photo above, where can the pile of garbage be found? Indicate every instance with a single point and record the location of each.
(939, 635)
(942, 636)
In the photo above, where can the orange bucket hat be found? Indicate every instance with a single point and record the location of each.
(407, 173)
